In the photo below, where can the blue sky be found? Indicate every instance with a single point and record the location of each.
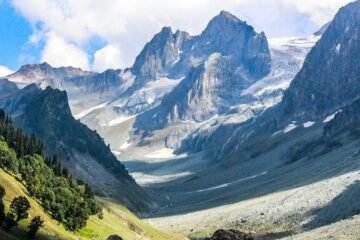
(14, 33)
(97, 35)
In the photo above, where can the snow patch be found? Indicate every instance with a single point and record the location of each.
(331, 117)
(152, 91)
(118, 120)
(230, 183)
(147, 179)
(290, 127)
(308, 124)
(162, 153)
(150, 100)
(116, 152)
(338, 48)
(87, 111)
(276, 133)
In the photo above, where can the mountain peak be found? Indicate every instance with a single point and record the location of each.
(227, 15)
(166, 30)
(45, 64)
(226, 21)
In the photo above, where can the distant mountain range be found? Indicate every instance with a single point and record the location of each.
(181, 86)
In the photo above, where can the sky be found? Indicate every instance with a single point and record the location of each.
(97, 35)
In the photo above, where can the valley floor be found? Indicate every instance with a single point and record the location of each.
(307, 199)
(281, 213)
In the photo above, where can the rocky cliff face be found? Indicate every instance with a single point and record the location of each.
(160, 55)
(330, 77)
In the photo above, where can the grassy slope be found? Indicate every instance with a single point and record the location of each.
(117, 220)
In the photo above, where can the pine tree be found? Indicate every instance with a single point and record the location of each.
(2, 115)
(2, 206)
(65, 172)
(34, 226)
(19, 207)
(54, 161)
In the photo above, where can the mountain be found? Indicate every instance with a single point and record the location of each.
(188, 130)
(160, 66)
(44, 75)
(327, 82)
(330, 76)
(218, 95)
(208, 80)
(174, 54)
(171, 56)
(232, 64)
(47, 114)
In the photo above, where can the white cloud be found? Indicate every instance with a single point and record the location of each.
(58, 53)
(129, 24)
(320, 11)
(4, 71)
(107, 57)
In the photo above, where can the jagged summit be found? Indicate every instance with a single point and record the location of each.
(159, 55)
(41, 66)
(166, 30)
(226, 20)
(228, 16)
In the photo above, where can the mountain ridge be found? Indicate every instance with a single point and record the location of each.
(47, 114)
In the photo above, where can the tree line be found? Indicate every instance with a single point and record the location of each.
(66, 199)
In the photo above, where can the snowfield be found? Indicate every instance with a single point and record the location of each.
(162, 153)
